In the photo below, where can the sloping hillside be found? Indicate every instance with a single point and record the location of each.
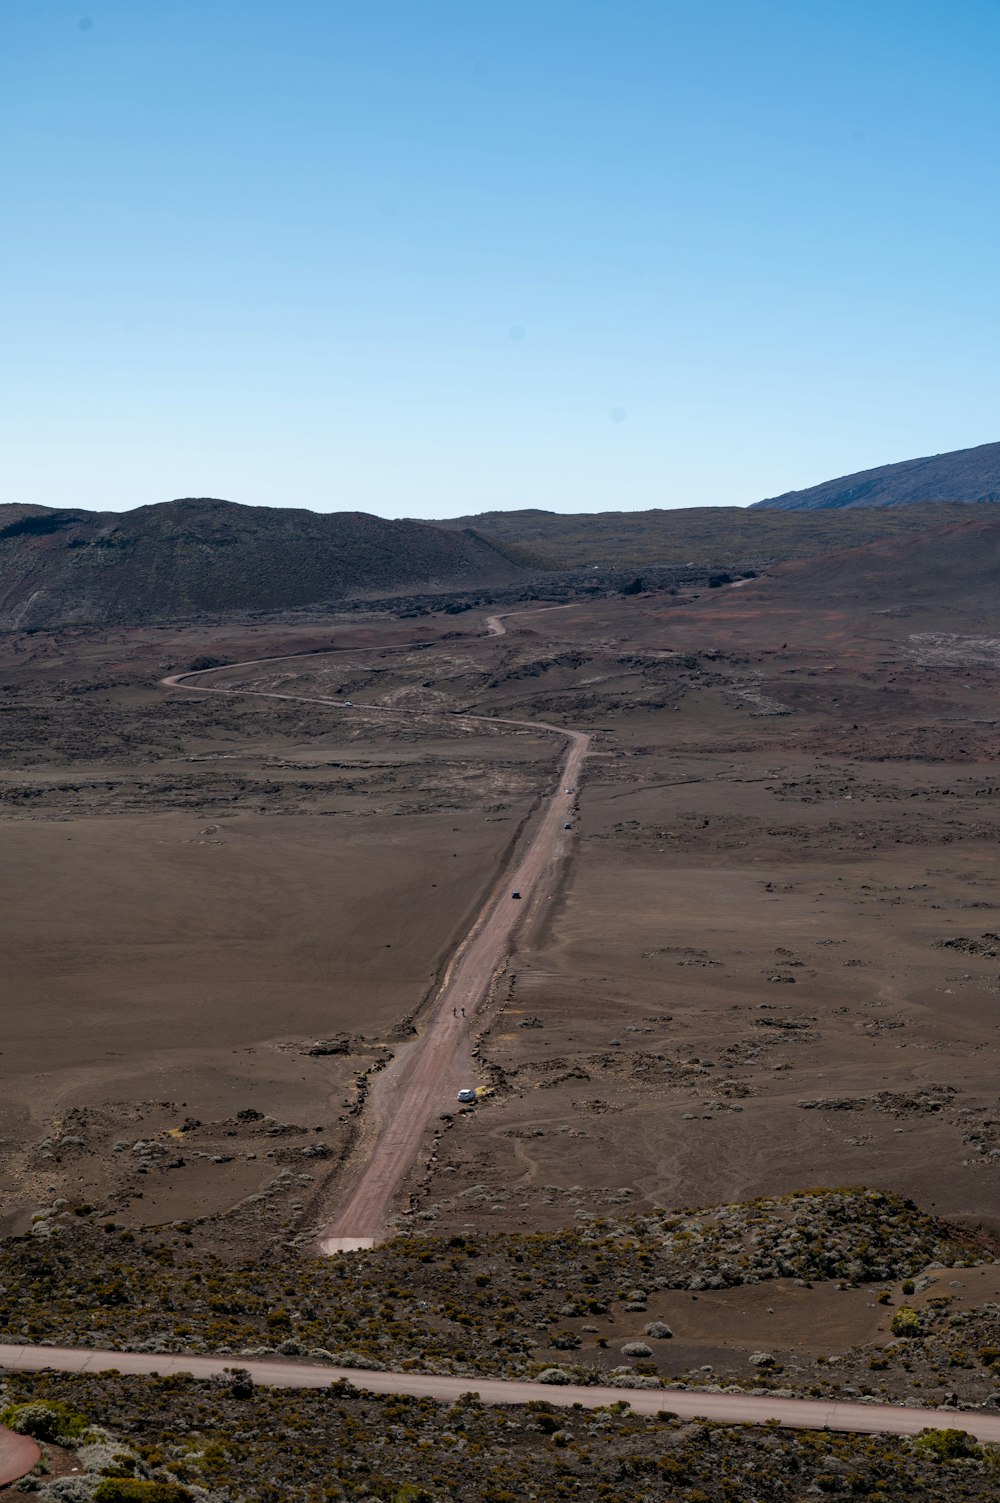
(942, 580)
(724, 537)
(195, 557)
(965, 475)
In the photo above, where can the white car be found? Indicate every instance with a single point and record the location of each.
(466, 1094)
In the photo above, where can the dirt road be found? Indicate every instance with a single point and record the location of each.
(18, 1454)
(425, 1076)
(495, 624)
(727, 1408)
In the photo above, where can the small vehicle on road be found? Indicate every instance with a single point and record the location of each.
(466, 1094)
(515, 894)
(567, 827)
(570, 790)
(348, 704)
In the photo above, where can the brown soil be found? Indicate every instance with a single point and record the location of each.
(766, 967)
(177, 941)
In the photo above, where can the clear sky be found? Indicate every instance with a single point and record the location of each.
(429, 257)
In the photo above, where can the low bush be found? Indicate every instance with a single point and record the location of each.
(948, 1445)
(44, 1420)
(906, 1322)
(130, 1490)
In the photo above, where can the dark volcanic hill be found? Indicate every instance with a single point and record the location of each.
(206, 557)
(715, 537)
(965, 475)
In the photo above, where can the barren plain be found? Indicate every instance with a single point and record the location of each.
(769, 958)
(219, 906)
(771, 961)
(757, 952)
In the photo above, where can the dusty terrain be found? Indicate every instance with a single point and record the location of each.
(768, 958)
(220, 908)
(772, 962)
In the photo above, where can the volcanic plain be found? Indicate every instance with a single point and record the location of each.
(770, 961)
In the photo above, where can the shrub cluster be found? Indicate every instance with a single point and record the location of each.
(197, 1440)
(471, 1304)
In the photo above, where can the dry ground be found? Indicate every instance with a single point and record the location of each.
(767, 967)
(195, 892)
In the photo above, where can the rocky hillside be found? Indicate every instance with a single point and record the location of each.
(964, 475)
(206, 557)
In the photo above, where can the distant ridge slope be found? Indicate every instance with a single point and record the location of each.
(941, 580)
(964, 475)
(716, 537)
(206, 557)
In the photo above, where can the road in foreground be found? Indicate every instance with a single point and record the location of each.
(18, 1454)
(724, 1408)
(424, 1077)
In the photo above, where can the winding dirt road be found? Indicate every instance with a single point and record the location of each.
(726, 1408)
(424, 1077)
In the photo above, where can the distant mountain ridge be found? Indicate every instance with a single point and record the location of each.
(963, 475)
(714, 537)
(203, 556)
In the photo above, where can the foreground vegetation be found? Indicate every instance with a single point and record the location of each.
(482, 1303)
(172, 1440)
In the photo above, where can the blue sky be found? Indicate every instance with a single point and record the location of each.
(424, 259)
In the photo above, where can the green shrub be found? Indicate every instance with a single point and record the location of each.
(44, 1420)
(130, 1490)
(906, 1322)
(947, 1445)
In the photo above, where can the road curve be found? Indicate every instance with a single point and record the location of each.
(18, 1454)
(724, 1408)
(495, 624)
(424, 1076)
